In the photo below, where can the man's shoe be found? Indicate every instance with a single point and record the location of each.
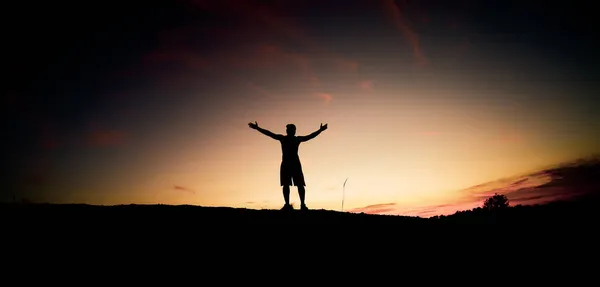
(303, 207)
(287, 207)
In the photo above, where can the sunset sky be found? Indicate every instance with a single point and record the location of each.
(113, 103)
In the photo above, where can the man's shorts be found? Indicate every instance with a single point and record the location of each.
(290, 173)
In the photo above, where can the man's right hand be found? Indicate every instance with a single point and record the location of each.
(253, 125)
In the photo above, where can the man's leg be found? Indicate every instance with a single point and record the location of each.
(299, 183)
(285, 181)
(301, 194)
(286, 194)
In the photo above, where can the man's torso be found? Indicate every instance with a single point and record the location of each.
(289, 149)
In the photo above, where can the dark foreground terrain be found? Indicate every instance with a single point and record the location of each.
(567, 227)
(557, 214)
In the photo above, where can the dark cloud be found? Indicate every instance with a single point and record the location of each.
(178, 187)
(563, 182)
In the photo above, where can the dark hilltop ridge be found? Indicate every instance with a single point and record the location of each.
(577, 210)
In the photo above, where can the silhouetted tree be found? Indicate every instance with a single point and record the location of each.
(497, 201)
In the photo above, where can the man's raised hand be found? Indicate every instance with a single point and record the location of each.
(323, 127)
(253, 125)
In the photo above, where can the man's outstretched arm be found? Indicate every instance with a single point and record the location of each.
(272, 135)
(314, 134)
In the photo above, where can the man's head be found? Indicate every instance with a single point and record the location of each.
(290, 129)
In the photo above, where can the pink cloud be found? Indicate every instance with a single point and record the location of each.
(366, 85)
(381, 208)
(446, 209)
(399, 20)
(104, 138)
(325, 97)
(260, 90)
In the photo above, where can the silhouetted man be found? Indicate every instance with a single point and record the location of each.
(290, 172)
